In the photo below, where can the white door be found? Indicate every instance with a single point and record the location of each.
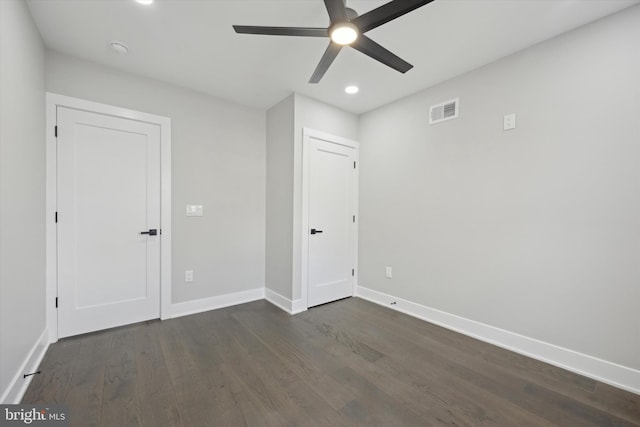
(108, 194)
(331, 221)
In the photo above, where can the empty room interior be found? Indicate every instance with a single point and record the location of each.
(320, 213)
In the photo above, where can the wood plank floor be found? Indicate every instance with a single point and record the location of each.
(346, 363)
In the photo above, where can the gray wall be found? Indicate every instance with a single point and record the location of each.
(22, 188)
(534, 230)
(323, 117)
(218, 155)
(279, 234)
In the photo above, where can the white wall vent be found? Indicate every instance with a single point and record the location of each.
(444, 111)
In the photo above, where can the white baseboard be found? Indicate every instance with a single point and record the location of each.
(284, 303)
(278, 300)
(601, 370)
(205, 304)
(298, 306)
(18, 386)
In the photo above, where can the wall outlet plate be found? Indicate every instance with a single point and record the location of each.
(188, 276)
(509, 121)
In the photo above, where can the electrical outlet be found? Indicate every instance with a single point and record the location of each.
(188, 276)
(388, 272)
(509, 121)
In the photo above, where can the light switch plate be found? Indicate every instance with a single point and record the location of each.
(510, 121)
(195, 210)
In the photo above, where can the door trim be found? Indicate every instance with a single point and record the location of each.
(307, 134)
(53, 101)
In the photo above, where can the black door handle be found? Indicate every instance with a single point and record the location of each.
(152, 232)
(314, 231)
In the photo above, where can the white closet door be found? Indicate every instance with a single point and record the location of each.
(331, 225)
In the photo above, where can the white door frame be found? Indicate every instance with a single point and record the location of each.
(53, 101)
(307, 134)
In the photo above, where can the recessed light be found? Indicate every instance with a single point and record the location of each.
(351, 89)
(118, 47)
(144, 1)
(344, 33)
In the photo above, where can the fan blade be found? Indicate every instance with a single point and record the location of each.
(282, 31)
(327, 59)
(336, 9)
(387, 12)
(370, 48)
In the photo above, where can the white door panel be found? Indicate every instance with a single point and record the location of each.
(108, 192)
(330, 210)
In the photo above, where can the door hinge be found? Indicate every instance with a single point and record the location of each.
(354, 165)
(56, 217)
(55, 131)
(354, 219)
(56, 302)
(353, 272)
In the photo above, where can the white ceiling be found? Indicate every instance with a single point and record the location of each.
(191, 43)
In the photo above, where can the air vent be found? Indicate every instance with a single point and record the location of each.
(445, 111)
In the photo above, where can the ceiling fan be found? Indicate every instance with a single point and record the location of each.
(347, 29)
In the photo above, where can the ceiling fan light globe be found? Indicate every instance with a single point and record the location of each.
(344, 33)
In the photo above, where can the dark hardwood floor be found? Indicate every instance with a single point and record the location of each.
(346, 363)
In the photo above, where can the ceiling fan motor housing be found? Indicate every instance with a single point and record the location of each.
(351, 14)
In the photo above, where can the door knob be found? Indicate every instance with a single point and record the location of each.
(151, 232)
(314, 231)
